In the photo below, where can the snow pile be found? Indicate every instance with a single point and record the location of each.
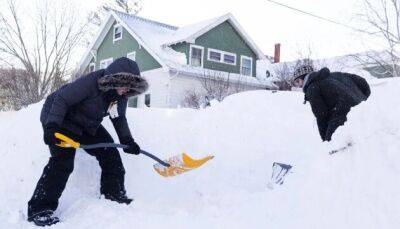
(357, 188)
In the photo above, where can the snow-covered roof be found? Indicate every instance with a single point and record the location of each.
(348, 63)
(151, 35)
(191, 32)
(159, 36)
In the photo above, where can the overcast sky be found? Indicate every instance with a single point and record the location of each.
(268, 24)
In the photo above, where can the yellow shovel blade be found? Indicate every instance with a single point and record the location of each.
(66, 142)
(180, 164)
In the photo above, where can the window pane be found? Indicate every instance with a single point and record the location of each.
(229, 59)
(246, 63)
(196, 57)
(246, 71)
(132, 102)
(104, 63)
(215, 56)
(147, 100)
(117, 32)
(131, 56)
(246, 66)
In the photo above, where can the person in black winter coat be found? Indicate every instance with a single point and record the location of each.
(77, 110)
(331, 95)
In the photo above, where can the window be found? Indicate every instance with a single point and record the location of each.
(133, 102)
(104, 63)
(147, 100)
(267, 74)
(92, 67)
(229, 59)
(221, 56)
(131, 55)
(246, 66)
(117, 32)
(196, 56)
(216, 56)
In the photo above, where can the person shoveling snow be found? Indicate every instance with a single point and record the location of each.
(71, 118)
(77, 110)
(331, 95)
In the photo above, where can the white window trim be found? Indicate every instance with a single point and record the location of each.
(132, 53)
(122, 30)
(94, 66)
(202, 54)
(251, 65)
(106, 60)
(223, 53)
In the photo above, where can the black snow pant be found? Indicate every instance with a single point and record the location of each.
(61, 164)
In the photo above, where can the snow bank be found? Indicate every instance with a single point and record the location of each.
(357, 188)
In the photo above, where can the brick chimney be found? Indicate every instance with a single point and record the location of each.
(277, 54)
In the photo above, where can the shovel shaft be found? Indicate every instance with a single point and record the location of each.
(103, 145)
(110, 145)
(155, 158)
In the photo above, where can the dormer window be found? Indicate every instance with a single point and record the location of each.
(117, 32)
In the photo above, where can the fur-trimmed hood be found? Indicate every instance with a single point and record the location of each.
(123, 72)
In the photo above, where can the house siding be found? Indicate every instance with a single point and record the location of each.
(223, 37)
(120, 48)
(182, 84)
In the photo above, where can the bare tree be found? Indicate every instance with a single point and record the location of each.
(129, 6)
(217, 85)
(382, 18)
(284, 71)
(44, 52)
(192, 99)
(97, 16)
(14, 88)
(284, 75)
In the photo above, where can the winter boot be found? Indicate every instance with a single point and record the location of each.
(121, 198)
(44, 218)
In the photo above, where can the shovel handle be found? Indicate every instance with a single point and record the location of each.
(155, 158)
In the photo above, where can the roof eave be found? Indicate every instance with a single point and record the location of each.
(95, 43)
(140, 40)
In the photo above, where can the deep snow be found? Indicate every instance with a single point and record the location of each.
(247, 132)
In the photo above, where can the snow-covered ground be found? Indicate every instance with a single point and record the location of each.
(357, 188)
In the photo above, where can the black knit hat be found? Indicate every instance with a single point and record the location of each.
(302, 71)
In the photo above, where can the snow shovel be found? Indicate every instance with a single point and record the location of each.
(279, 171)
(180, 164)
(170, 167)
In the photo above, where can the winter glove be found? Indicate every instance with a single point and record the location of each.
(49, 131)
(133, 147)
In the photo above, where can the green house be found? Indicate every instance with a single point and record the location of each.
(178, 61)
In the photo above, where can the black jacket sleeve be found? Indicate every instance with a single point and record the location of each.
(121, 123)
(337, 117)
(67, 96)
(319, 108)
